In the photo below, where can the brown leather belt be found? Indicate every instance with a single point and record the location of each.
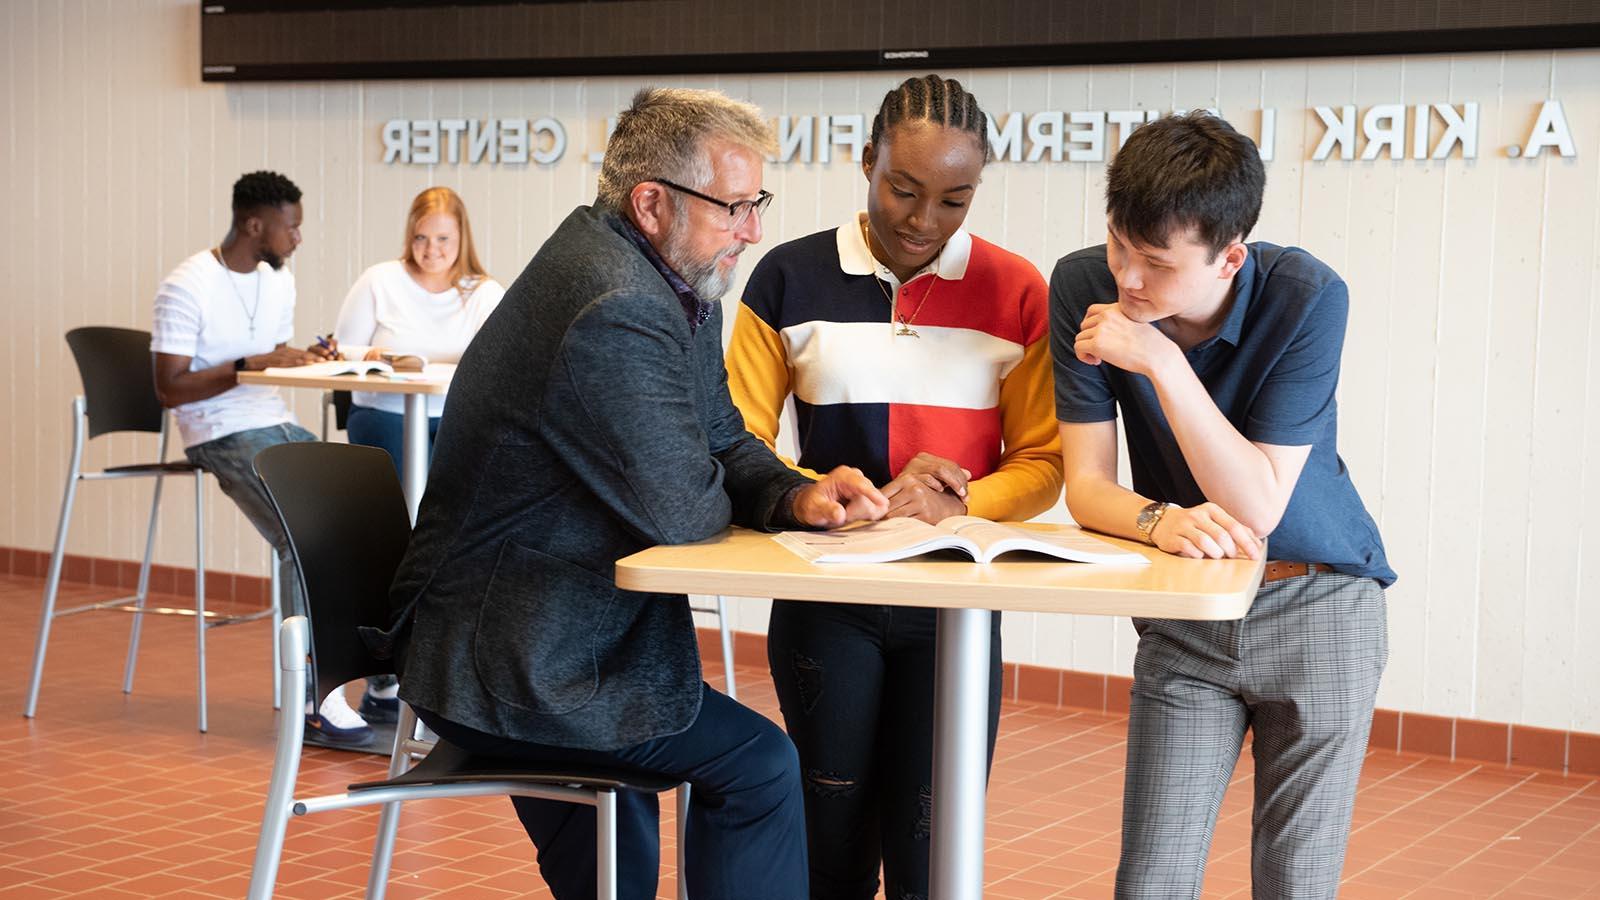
(1277, 570)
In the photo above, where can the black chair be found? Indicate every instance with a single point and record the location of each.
(119, 396)
(348, 527)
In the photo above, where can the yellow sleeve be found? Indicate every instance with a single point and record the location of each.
(758, 380)
(1028, 480)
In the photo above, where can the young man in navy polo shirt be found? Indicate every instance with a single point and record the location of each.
(1223, 357)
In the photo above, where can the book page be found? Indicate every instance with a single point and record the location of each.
(333, 367)
(995, 538)
(881, 541)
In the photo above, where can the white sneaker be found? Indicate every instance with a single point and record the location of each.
(336, 724)
(336, 709)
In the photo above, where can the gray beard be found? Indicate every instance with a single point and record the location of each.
(708, 281)
(704, 276)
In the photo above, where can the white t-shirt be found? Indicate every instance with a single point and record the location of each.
(387, 308)
(216, 316)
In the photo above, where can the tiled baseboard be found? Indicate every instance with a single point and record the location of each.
(1498, 743)
(253, 590)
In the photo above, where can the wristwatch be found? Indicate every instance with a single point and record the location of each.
(1149, 517)
(238, 364)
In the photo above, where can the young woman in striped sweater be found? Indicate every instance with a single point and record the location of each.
(917, 353)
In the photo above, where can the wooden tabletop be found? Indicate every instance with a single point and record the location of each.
(437, 381)
(745, 563)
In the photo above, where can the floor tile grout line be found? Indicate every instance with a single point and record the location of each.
(1415, 800)
(1592, 830)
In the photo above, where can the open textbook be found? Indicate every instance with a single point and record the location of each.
(410, 363)
(335, 367)
(983, 540)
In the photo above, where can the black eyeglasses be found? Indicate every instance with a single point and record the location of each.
(738, 211)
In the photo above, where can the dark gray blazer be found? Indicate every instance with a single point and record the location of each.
(586, 422)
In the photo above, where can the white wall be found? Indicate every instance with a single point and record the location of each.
(1469, 414)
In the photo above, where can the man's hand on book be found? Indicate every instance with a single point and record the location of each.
(841, 497)
(1206, 531)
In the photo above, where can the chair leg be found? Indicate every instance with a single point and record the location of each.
(683, 831)
(389, 818)
(142, 591)
(52, 581)
(285, 764)
(605, 827)
(277, 624)
(200, 589)
(727, 647)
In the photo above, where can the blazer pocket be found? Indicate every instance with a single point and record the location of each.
(534, 647)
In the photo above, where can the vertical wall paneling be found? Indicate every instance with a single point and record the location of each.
(1458, 484)
(1564, 307)
(1412, 329)
(1585, 672)
(1510, 394)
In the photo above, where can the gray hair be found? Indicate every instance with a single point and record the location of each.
(663, 133)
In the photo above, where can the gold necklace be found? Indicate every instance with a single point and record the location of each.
(901, 325)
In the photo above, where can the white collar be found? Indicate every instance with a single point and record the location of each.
(855, 258)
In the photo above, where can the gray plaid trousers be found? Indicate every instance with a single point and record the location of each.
(1302, 670)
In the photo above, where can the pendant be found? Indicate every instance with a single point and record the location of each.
(904, 330)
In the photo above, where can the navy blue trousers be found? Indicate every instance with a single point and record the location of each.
(746, 830)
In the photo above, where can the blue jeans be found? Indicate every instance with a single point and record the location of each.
(746, 823)
(231, 460)
(385, 430)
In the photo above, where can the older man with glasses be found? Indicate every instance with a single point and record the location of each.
(590, 419)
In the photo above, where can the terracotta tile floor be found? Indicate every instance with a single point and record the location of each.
(108, 796)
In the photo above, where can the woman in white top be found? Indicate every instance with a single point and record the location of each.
(429, 302)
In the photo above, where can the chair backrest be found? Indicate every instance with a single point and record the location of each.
(345, 514)
(119, 382)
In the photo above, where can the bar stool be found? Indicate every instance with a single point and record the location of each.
(119, 395)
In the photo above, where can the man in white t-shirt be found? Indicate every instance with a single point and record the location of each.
(229, 309)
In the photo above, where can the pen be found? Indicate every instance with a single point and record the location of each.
(329, 347)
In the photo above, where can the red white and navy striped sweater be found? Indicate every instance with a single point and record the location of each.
(974, 386)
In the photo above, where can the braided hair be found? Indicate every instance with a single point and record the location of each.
(936, 100)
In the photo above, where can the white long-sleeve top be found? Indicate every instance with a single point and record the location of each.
(387, 308)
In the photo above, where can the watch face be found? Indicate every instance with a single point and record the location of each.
(1148, 517)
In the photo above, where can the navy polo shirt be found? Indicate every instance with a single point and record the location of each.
(1272, 370)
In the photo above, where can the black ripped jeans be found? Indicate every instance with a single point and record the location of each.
(855, 684)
